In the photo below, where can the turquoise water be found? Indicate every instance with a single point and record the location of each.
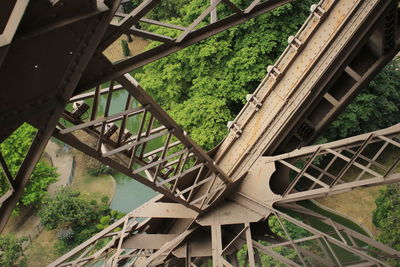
(129, 193)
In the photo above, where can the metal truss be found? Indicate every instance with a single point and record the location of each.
(176, 169)
(205, 25)
(339, 166)
(89, 36)
(245, 219)
(171, 170)
(242, 195)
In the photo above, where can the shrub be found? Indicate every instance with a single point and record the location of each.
(105, 199)
(105, 220)
(125, 48)
(66, 207)
(102, 169)
(11, 251)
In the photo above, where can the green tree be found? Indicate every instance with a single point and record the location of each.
(75, 218)
(376, 107)
(386, 217)
(14, 149)
(109, 219)
(66, 208)
(125, 48)
(221, 69)
(11, 253)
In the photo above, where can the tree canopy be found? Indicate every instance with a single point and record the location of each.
(376, 107)
(204, 86)
(14, 149)
(11, 253)
(75, 218)
(66, 207)
(386, 217)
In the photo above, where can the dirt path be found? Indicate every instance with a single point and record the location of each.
(24, 224)
(63, 161)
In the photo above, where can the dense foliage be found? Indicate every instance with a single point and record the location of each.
(14, 149)
(204, 86)
(376, 107)
(66, 207)
(11, 253)
(386, 217)
(75, 218)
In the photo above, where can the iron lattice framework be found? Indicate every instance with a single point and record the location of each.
(211, 204)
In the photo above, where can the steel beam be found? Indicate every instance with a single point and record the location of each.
(368, 170)
(89, 41)
(166, 49)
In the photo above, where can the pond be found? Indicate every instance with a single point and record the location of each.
(129, 194)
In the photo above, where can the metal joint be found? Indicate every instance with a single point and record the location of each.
(254, 101)
(295, 42)
(317, 11)
(274, 72)
(235, 128)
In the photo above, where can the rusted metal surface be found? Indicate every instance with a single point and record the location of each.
(63, 87)
(212, 204)
(176, 169)
(11, 13)
(59, 24)
(358, 162)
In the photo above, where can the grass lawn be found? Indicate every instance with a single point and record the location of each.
(41, 251)
(359, 203)
(91, 187)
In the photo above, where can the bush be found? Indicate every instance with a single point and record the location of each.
(105, 199)
(11, 251)
(105, 220)
(125, 48)
(101, 170)
(66, 207)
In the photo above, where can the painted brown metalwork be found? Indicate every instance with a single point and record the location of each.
(211, 204)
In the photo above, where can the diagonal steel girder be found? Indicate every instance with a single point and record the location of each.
(217, 231)
(250, 197)
(189, 35)
(248, 212)
(89, 39)
(176, 169)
